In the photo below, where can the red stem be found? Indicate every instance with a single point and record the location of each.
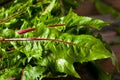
(34, 39)
(56, 25)
(39, 39)
(26, 30)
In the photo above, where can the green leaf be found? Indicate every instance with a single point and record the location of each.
(33, 73)
(7, 33)
(31, 48)
(106, 9)
(72, 19)
(10, 72)
(64, 66)
(49, 7)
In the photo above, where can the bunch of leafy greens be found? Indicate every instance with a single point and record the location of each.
(62, 39)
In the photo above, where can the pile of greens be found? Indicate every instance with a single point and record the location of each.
(59, 40)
